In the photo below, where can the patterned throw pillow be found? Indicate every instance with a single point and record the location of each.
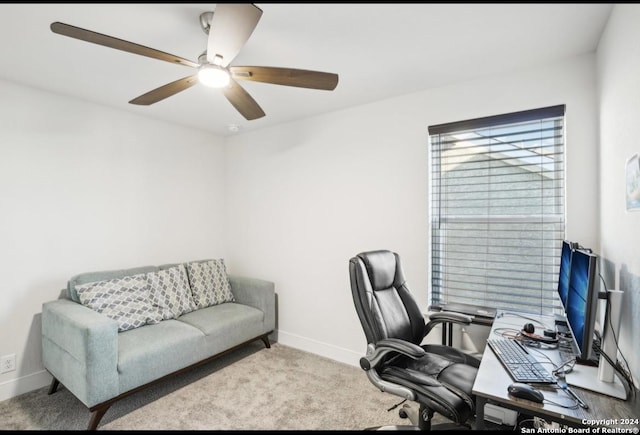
(209, 282)
(170, 292)
(125, 300)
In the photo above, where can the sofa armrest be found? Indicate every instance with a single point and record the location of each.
(256, 293)
(80, 349)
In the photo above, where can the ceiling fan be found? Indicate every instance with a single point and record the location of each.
(229, 27)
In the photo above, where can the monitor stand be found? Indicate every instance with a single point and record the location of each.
(602, 379)
(587, 377)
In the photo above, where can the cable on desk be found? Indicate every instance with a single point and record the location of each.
(574, 406)
(531, 343)
(542, 354)
(565, 367)
(562, 369)
(621, 367)
(506, 332)
(524, 317)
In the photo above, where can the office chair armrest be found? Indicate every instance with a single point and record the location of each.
(436, 318)
(450, 316)
(378, 352)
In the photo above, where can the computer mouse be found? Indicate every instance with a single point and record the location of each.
(525, 391)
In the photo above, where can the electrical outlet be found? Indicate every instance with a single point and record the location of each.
(8, 363)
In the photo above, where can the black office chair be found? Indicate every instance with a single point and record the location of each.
(438, 377)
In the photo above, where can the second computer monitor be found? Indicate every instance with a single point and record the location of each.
(582, 300)
(563, 276)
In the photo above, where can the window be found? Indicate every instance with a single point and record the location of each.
(497, 210)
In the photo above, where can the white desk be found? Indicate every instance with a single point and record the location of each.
(492, 381)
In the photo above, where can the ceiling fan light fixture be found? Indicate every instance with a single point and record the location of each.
(213, 76)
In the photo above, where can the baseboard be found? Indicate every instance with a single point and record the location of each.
(319, 348)
(24, 384)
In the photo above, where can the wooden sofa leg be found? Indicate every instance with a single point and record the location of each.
(265, 340)
(97, 414)
(54, 386)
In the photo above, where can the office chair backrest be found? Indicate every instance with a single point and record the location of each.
(384, 304)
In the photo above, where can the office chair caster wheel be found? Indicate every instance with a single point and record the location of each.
(404, 411)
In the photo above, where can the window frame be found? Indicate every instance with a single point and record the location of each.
(549, 302)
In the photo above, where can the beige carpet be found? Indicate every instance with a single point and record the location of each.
(251, 389)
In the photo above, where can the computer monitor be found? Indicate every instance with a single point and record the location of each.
(563, 275)
(582, 301)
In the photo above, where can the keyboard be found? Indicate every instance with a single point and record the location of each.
(521, 365)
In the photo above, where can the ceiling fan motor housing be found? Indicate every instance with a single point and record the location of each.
(205, 21)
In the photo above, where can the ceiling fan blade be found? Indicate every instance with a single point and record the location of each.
(119, 44)
(231, 26)
(242, 101)
(286, 76)
(165, 91)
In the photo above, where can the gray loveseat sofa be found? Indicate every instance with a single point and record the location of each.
(102, 357)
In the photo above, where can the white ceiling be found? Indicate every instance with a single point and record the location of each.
(378, 50)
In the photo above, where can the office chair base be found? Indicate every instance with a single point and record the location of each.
(411, 413)
(417, 423)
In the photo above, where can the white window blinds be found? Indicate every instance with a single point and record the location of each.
(497, 210)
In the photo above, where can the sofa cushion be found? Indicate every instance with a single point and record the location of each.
(170, 292)
(151, 352)
(226, 325)
(209, 282)
(125, 300)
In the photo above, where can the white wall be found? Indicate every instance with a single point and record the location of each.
(84, 187)
(293, 203)
(618, 62)
(306, 196)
